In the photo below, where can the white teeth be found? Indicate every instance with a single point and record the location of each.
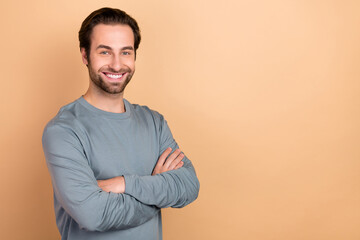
(114, 76)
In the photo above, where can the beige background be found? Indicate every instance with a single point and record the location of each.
(263, 96)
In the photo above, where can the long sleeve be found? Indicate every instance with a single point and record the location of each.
(76, 188)
(175, 188)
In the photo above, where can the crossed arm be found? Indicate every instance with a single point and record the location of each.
(165, 163)
(123, 202)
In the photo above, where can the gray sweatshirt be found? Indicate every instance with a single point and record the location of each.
(83, 144)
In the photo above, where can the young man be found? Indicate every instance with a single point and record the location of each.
(113, 164)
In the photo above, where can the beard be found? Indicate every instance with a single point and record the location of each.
(110, 87)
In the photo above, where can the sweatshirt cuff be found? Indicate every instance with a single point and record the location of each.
(129, 184)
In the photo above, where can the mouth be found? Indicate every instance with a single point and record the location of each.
(114, 76)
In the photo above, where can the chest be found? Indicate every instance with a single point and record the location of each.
(122, 148)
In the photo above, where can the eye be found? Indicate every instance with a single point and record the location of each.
(126, 53)
(104, 53)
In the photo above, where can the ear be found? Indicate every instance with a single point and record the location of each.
(83, 56)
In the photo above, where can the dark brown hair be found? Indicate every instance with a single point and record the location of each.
(106, 16)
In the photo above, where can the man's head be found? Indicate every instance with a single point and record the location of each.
(108, 16)
(108, 42)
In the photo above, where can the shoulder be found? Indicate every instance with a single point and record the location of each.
(145, 111)
(66, 120)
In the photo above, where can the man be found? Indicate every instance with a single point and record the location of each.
(113, 164)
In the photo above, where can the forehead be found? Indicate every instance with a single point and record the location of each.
(115, 36)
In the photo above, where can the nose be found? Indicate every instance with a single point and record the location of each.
(115, 63)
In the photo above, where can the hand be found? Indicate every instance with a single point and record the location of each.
(115, 185)
(172, 162)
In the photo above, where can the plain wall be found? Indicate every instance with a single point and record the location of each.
(263, 96)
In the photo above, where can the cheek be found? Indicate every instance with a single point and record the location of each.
(99, 66)
(131, 64)
(98, 62)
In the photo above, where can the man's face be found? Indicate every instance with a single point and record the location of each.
(111, 60)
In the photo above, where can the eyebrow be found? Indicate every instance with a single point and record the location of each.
(109, 48)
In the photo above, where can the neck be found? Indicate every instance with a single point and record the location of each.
(106, 101)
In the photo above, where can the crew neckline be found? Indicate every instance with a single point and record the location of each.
(103, 113)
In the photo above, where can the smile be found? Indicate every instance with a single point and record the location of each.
(113, 76)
